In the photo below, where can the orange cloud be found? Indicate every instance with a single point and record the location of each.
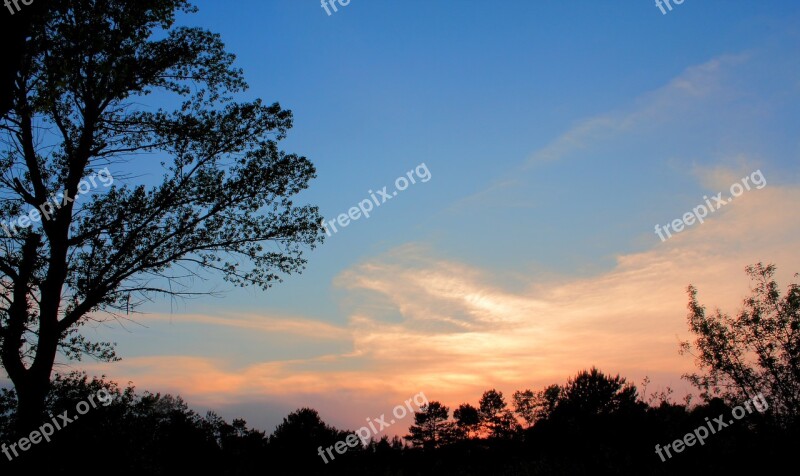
(453, 332)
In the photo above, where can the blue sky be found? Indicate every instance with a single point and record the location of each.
(557, 134)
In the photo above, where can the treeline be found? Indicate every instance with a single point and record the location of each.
(746, 420)
(592, 424)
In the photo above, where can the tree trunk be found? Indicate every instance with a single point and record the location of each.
(31, 393)
(32, 384)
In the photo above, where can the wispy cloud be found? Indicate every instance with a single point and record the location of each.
(417, 321)
(266, 324)
(455, 330)
(692, 91)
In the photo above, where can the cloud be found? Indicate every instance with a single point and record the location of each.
(266, 324)
(456, 332)
(418, 322)
(691, 92)
(629, 319)
(675, 123)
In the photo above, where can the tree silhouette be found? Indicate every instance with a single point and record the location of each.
(223, 204)
(524, 406)
(159, 434)
(302, 425)
(301, 433)
(757, 351)
(431, 426)
(14, 31)
(546, 401)
(533, 407)
(496, 419)
(468, 420)
(593, 393)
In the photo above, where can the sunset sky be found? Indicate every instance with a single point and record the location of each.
(557, 135)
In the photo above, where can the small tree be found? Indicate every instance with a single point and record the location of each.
(431, 427)
(468, 420)
(532, 407)
(546, 401)
(524, 406)
(593, 393)
(756, 351)
(496, 419)
(303, 426)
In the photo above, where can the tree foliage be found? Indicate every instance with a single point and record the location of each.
(431, 426)
(159, 434)
(468, 420)
(496, 418)
(223, 205)
(755, 351)
(593, 393)
(535, 406)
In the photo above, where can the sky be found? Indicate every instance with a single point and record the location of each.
(547, 140)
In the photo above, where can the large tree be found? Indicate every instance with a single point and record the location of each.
(223, 203)
(754, 351)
